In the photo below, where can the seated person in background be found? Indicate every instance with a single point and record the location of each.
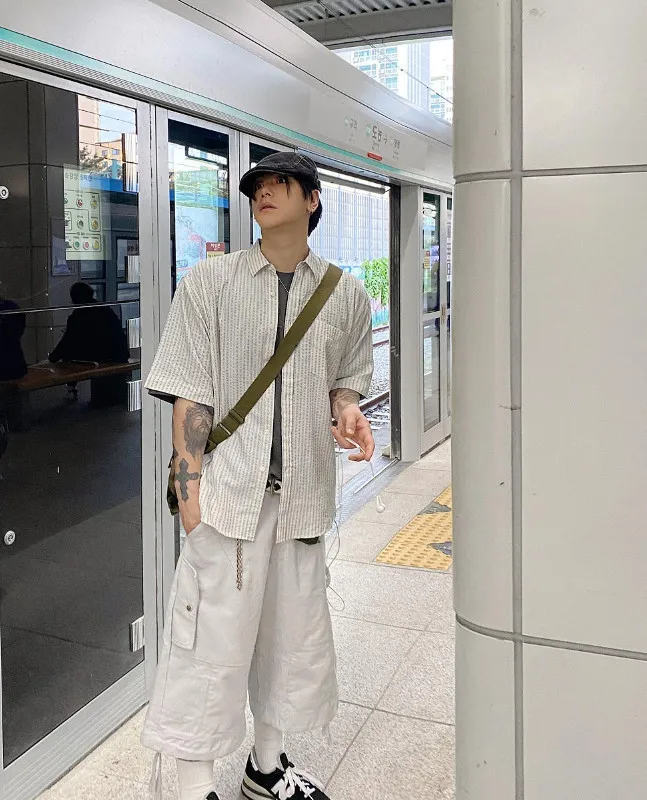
(92, 334)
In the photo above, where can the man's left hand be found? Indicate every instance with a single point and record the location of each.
(352, 424)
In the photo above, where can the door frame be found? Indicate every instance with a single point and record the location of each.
(166, 550)
(71, 741)
(415, 441)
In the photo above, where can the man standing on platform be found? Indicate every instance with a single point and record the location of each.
(248, 614)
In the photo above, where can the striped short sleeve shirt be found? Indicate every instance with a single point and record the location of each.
(220, 332)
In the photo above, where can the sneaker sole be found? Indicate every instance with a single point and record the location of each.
(252, 791)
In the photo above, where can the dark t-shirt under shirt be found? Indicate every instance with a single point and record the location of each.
(276, 458)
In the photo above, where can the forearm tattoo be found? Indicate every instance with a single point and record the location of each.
(197, 427)
(183, 476)
(341, 399)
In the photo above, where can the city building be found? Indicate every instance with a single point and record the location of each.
(441, 82)
(420, 71)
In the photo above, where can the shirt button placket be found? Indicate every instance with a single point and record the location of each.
(294, 301)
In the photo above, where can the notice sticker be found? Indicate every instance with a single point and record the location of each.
(214, 249)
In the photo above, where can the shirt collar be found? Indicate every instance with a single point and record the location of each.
(257, 261)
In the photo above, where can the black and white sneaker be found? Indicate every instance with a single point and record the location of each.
(285, 783)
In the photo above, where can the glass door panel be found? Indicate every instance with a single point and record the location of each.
(199, 196)
(431, 374)
(70, 424)
(431, 254)
(431, 305)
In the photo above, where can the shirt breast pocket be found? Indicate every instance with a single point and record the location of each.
(324, 349)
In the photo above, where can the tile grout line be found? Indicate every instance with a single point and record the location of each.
(396, 714)
(393, 627)
(395, 674)
(397, 669)
(374, 712)
(415, 718)
(351, 744)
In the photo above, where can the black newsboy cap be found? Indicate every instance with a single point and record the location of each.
(293, 164)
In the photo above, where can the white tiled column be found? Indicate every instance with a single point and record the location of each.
(550, 399)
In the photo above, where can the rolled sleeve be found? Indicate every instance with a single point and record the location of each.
(183, 364)
(356, 368)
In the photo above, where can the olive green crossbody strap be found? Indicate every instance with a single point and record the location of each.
(270, 372)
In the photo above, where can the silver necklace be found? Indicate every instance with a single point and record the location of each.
(287, 288)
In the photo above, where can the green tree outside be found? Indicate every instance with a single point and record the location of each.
(376, 280)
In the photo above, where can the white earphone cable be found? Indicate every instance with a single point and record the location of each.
(335, 532)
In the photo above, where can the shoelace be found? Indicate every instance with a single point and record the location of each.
(294, 779)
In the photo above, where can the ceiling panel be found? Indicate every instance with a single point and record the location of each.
(346, 21)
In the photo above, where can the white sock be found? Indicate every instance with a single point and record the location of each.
(268, 746)
(195, 779)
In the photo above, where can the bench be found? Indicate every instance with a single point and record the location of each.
(107, 386)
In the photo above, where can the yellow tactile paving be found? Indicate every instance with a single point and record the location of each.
(426, 542)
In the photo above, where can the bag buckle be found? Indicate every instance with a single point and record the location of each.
(231, 422)
(225, 429)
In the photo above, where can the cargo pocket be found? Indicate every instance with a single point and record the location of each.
(185, 608)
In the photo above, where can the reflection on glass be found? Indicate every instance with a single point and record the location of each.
(70, 446)
(431, 374)
(199, 196)
(431, 253)
(72, 195)
(93, 333)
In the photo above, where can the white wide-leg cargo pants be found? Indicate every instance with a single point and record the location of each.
(273, 638)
